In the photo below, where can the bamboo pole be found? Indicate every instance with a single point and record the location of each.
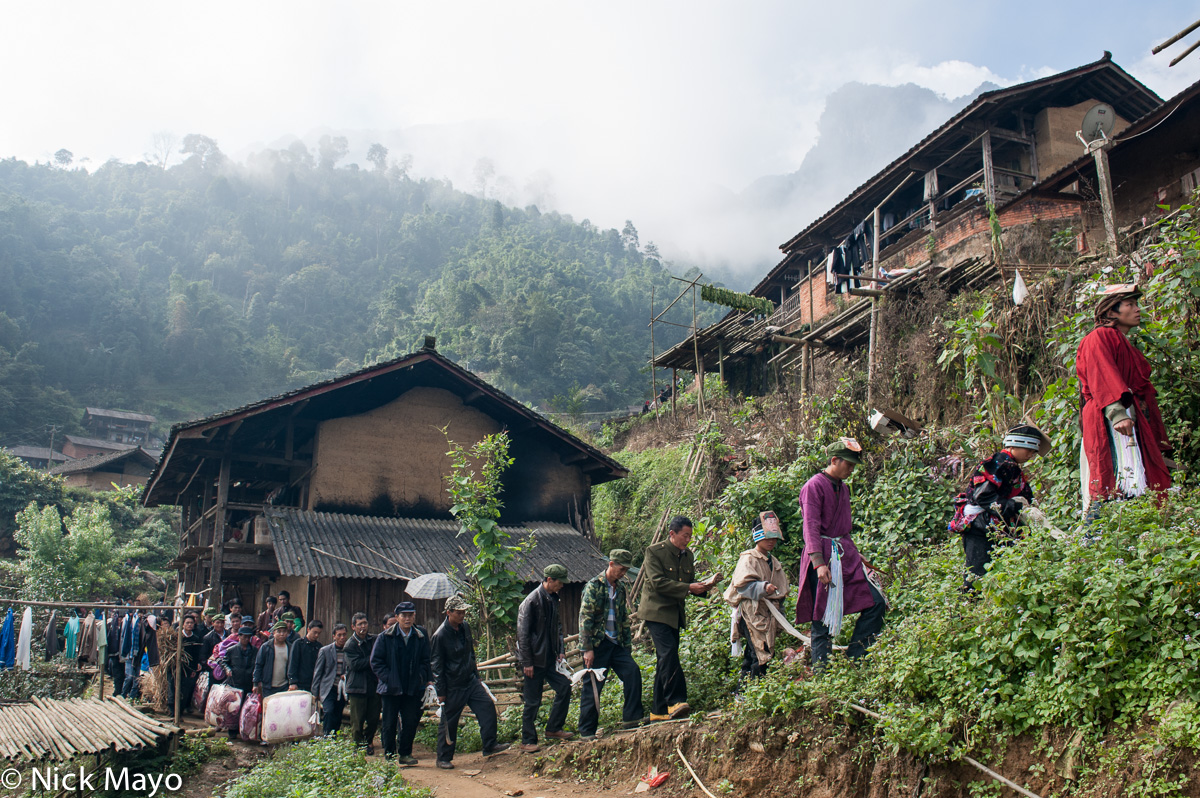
(699, 363)
(178, 664)
(874, 309)
(653, 384)
(1160, 47)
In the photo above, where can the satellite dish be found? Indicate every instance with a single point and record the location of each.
(1098, 122)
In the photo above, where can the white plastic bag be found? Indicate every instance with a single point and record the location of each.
(431, 697)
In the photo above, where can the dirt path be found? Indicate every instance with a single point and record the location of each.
(497, 777)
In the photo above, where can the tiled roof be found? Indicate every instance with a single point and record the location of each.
(124, 415)
(37, 453)
(364, 547)
(95, 461)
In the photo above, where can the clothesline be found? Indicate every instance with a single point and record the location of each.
(69, 605)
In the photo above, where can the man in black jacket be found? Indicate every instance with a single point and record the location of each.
(458, 685)
(286, 605)
(190, 671)
(239, 660)
(539, 650)
(211, 640)
(302, 658)
(361, 683)
(401, 662)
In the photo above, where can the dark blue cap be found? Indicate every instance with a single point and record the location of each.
(405, 606)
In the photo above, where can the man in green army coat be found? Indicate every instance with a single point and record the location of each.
(669, 578)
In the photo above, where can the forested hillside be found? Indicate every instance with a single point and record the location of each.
(183, 290)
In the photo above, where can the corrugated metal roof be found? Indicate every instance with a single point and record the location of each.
(366, 547)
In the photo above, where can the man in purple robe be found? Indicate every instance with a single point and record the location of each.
(833, 582)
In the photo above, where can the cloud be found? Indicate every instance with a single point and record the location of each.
(657, 112)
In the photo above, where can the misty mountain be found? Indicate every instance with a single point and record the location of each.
(210, 283)
(733, 235)
(862, 129)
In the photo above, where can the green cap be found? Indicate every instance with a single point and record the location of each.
(287, 627)
(457, 603)
(211, 611)
(621, 557)
(847, 449)
(555, 571)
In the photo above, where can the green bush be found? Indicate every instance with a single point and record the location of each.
(322, 767)
(626, 510)
(1099, 627)
(908, 504)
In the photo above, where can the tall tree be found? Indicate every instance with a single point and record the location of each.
(377, 155)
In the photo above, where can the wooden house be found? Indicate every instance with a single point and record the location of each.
(1154, 162)
(119, 426)
(79, 446)
(39, 457)
(102, 471)
(336, 492)
(936, 209)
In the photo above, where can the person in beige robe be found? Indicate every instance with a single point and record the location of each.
(759, 579)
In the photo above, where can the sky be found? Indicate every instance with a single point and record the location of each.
(659, 112)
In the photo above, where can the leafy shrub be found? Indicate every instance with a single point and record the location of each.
(84, 562)
(909, 502)
(1101, 626)
(626, 510)
(321, 767)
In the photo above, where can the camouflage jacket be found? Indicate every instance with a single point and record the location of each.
(593, 614)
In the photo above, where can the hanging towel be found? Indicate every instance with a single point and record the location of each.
(72, 635)
(51, 636)
(24, 639)
(8, 642)
(833, 605)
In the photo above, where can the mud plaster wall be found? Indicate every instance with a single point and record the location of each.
(1054, 132)
(103, 480)
(392, 460)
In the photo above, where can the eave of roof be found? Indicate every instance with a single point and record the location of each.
(196, 429)
(93, 462)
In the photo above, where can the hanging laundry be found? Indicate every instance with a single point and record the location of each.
(8, 642)
(51, 636)
(830, 277)
(72, 636)
(24, 639)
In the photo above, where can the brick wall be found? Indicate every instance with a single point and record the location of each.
(965, 236)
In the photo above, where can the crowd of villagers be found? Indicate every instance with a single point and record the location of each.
(387, 679)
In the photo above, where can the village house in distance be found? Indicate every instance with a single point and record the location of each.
(336, 492)
(971, 203)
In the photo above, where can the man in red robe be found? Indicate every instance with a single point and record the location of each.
(1123, 434)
